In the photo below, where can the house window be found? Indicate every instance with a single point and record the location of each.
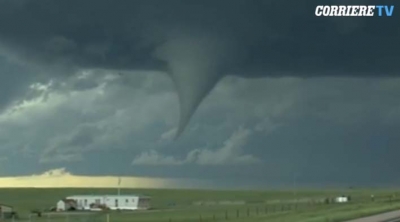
(126, 201)
(97, 201)
(85, 202)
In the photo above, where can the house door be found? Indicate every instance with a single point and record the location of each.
(116, 202)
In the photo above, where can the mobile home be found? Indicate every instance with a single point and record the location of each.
(112, 202)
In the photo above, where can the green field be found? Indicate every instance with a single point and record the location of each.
(240, 206)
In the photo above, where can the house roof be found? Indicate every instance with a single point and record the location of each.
(107, 195)
(68, 201)
(126, 196)
(5, 205)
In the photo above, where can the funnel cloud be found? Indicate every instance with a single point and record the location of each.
(197, 43)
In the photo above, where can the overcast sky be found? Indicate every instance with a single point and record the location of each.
(262, 92)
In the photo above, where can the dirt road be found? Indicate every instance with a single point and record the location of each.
(393, 216)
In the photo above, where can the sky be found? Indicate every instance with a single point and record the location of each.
(238, 94)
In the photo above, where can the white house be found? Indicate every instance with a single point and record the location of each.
(66, 205)
(112, 202)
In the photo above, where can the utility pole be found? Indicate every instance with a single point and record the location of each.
(119, 186)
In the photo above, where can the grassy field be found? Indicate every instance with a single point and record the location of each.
(180, 205)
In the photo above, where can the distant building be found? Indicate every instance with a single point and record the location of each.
(6, 211)
(342, 199)
(99, 202)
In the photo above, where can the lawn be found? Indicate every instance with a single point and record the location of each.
(180, 205)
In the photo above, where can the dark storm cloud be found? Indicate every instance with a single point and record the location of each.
(14, 82)
(199, 42)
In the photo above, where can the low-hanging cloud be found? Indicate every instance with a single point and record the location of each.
(198, 43)
(231, 153)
